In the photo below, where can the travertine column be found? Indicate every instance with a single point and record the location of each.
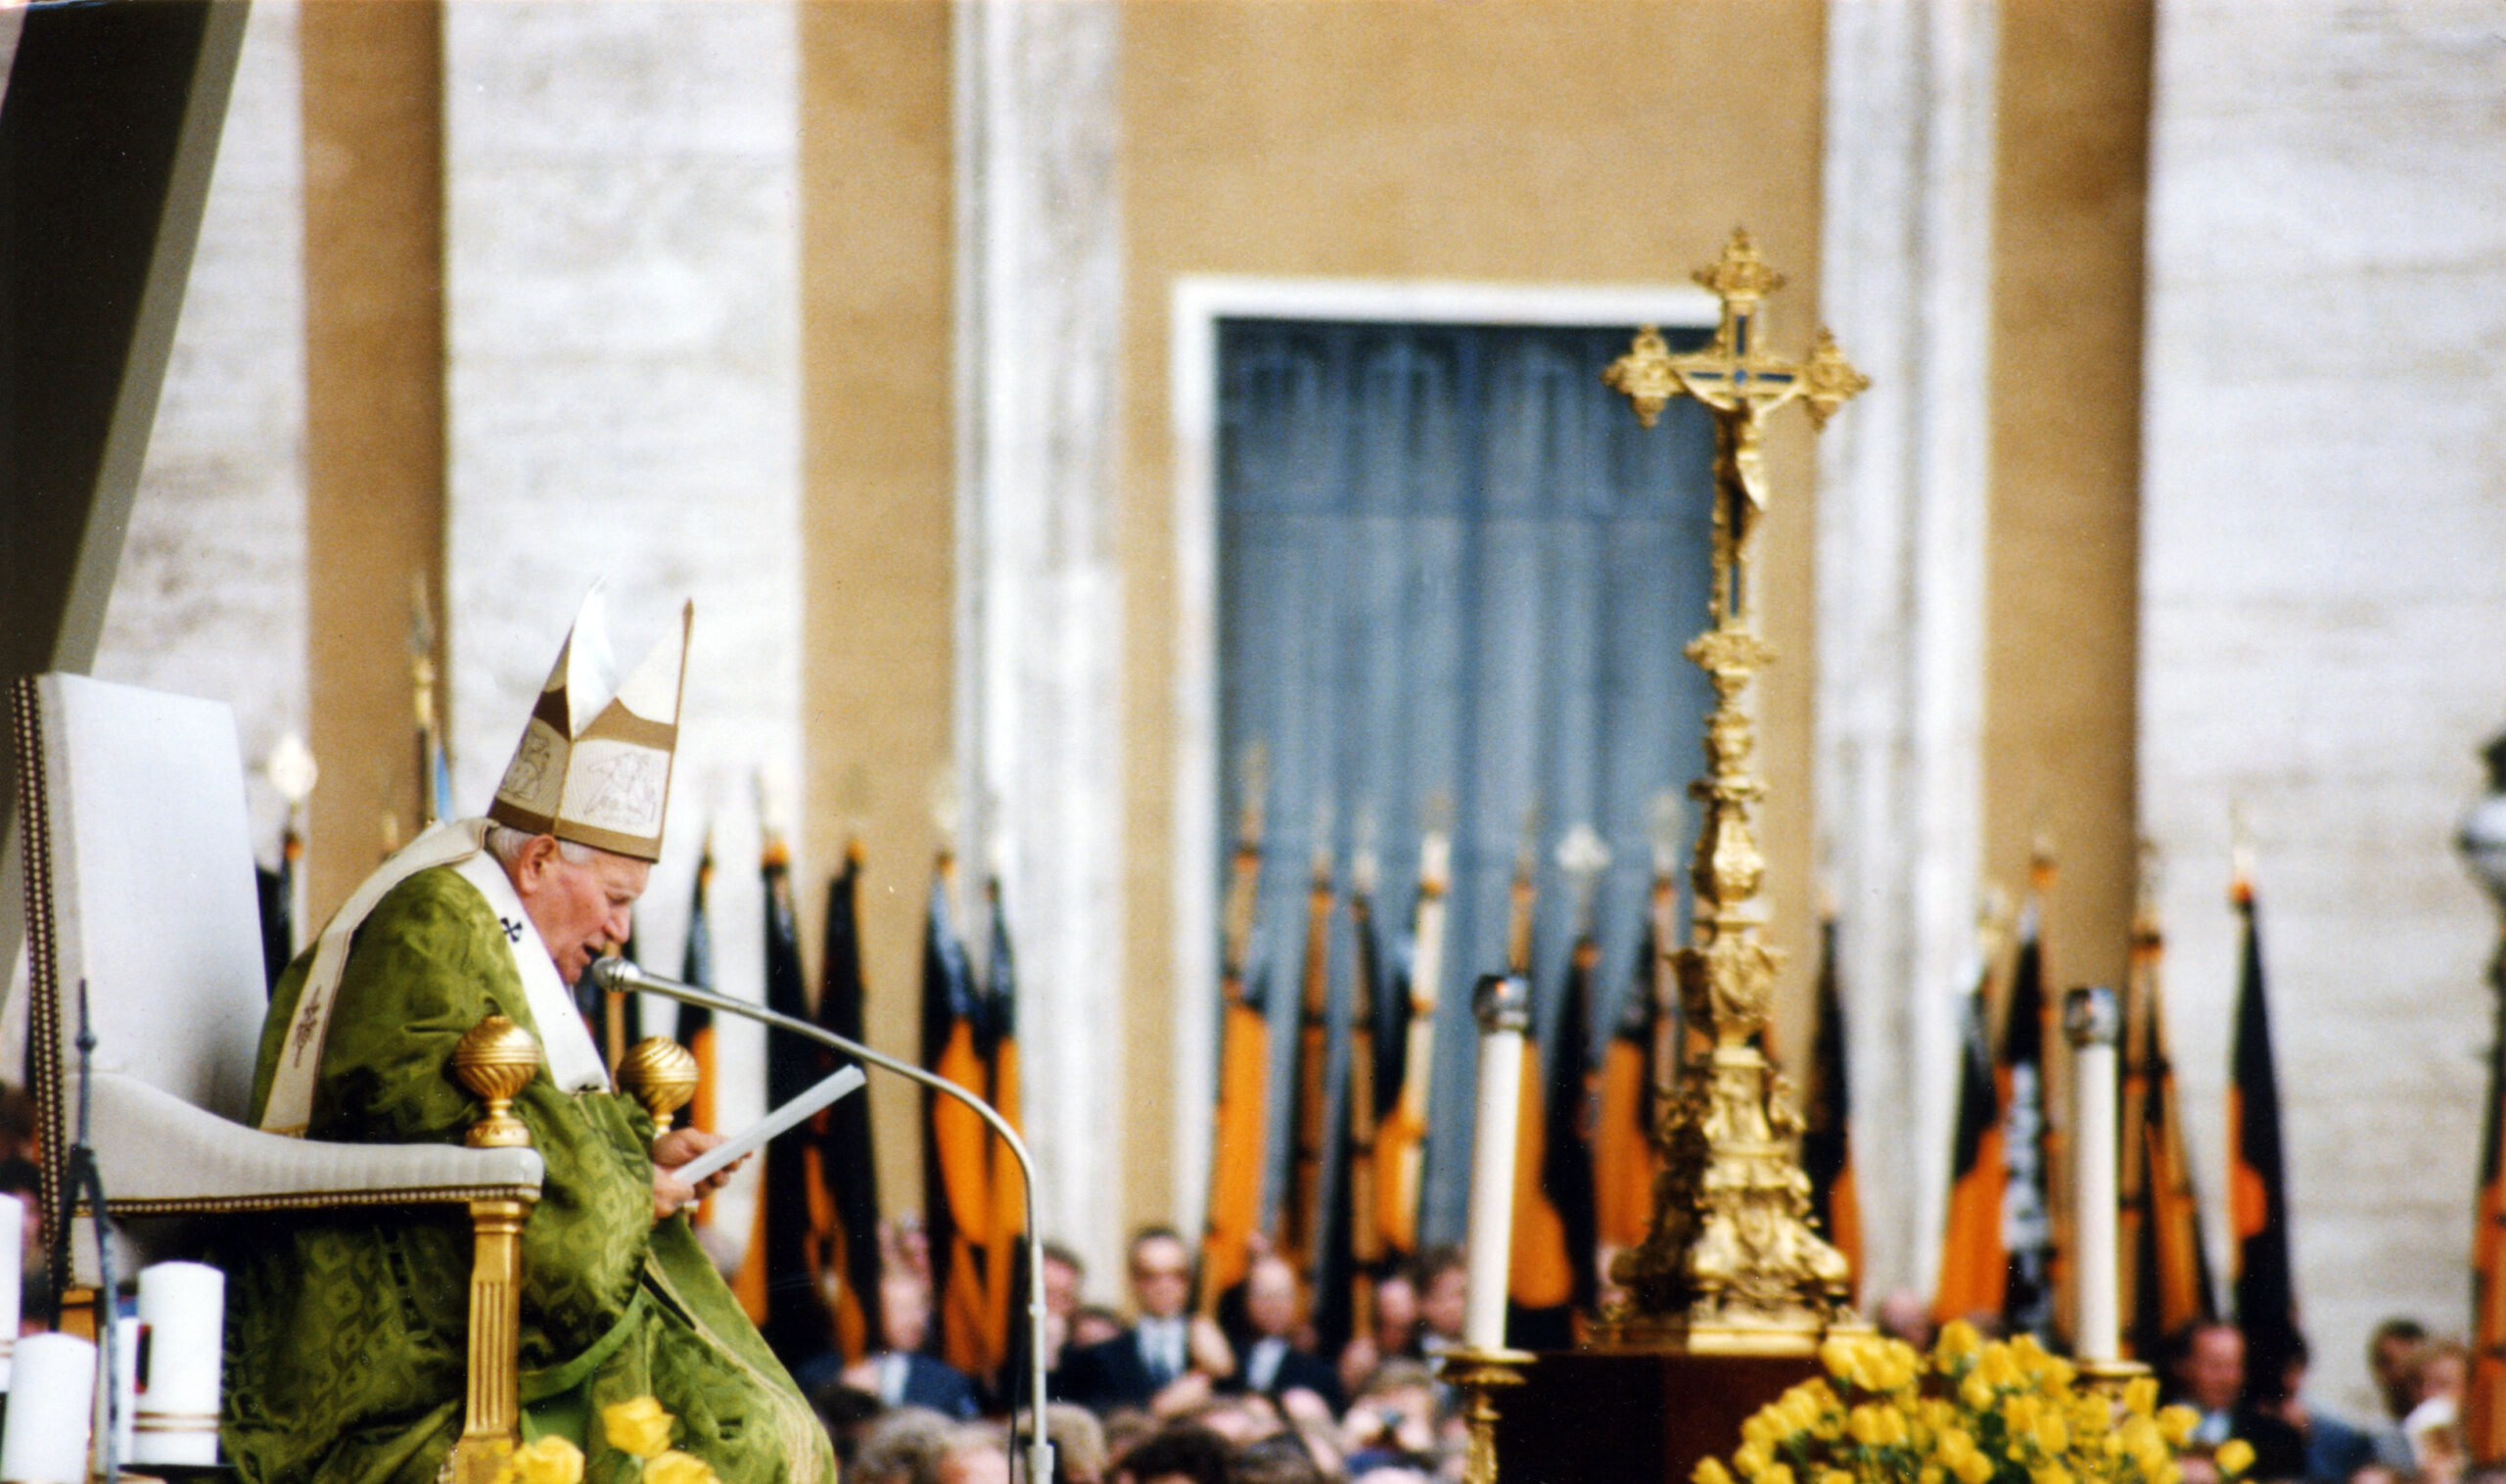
(1906, 279)
(1040, 311)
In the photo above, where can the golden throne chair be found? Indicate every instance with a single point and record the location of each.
(140, 887)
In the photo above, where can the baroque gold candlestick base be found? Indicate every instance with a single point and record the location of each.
(1479, 1374)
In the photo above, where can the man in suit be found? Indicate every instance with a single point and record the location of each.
(2209, 1377)
(1268, 1361)
(902, 1375)
(1168, 1358)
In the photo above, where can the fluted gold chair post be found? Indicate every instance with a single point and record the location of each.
(494, 1062)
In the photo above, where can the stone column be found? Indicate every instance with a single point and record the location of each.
(1039, 306)
(1906, 278)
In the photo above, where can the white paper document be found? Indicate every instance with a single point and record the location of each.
(755, 1135)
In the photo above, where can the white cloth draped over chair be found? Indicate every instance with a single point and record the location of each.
(139, 870)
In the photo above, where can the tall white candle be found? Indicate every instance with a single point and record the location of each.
(52, 1397)
(13, 1229)
(1502, 1006)
(126, 1330)
(2090, 1017)
(183, 1306)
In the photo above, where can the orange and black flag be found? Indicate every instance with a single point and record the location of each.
(277, 888)
(1352, 1247)
(844, 1186)
(2027, 1300)
(1239, 1123)
(1624, 1163)
(1973, 1264)
(2484, 1397)
(1400, 1134)
(956, 1175)
(776, 1280)
(2266, 1300)
(1826, 1137)
(1006, 1218)
(1301, 1213)
(2165, 1270)
(696, 1030)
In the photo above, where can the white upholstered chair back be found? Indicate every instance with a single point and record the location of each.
(138, 814)
(139, 885)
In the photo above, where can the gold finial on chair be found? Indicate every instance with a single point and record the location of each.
(496, 1061)
(660, 1074)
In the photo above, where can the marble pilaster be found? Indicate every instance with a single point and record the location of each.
(1040, 310)
(1906, 277)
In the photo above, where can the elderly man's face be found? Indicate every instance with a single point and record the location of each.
(1161, 1276)
(1270, 1297)
(2213, 1370)
(578, 910)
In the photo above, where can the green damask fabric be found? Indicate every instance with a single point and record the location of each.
(345, 1329)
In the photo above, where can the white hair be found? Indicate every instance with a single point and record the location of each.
(506, 844)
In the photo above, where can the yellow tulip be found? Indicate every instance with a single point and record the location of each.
(2176, 1424)
(1999, 1366)
(1834, 1476)
(2053, 1435)
(1709, 1470)
(675, 1467)
(1751, 1459)
(2234, 1456)
(1837, 1353)
(1801, 1410)
(551, 1460)
(1959, 1341)
(2140, 1394)
(1973, 1468)
(639, 1427)
(1773, 1473)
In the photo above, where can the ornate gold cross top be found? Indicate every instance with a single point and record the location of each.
(1740, 385)
(1732, 375)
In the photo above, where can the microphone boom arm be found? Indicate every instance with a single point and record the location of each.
(617, 974)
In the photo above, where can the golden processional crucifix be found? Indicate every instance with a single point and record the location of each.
(1730, 1263)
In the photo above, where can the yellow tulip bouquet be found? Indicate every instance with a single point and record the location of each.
(1972, 1413)
(639, 1427)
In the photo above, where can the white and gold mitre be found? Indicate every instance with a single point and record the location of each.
(594, 761)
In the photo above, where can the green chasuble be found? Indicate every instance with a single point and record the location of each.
(345, 1329)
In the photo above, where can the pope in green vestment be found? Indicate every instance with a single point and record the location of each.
(345, 1332)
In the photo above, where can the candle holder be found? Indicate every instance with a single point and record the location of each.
(1479, 1374)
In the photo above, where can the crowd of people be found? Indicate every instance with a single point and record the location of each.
(1234, 1393)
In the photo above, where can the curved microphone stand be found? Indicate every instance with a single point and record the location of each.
(620, 975)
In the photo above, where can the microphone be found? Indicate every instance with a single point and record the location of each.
(618, 975)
